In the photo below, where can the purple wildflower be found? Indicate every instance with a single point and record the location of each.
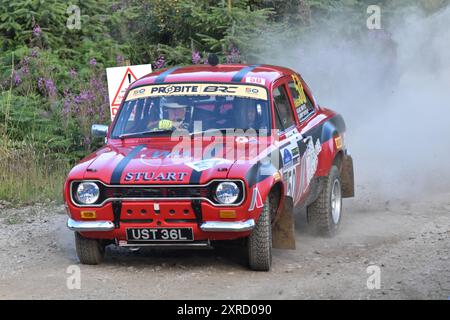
(73, 73)
(25, 70)
(93, 62)
(233, 56)
(120, 60)
(85, 96)
(47, 86)
(17, 79)
(51, 88)
(37, 31)
(41, 84)
(66, 105)
(196, 58)
(160, 62)
(34, 53)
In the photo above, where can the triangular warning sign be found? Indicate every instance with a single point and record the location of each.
(127, 79)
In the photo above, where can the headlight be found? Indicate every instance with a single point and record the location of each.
(227, 192)
(87, 192)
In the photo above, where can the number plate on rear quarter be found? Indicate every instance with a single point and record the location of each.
(159, 234)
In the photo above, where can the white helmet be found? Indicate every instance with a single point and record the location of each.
(174, 109)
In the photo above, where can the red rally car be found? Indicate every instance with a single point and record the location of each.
(200, 154)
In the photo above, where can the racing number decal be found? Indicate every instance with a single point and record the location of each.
(299, 88)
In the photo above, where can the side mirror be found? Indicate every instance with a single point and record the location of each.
(99, 130)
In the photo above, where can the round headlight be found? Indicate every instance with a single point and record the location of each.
(227, 192)
(87, 192)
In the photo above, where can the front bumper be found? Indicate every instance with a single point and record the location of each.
(89, 226)
(209, 226)
(225, 226)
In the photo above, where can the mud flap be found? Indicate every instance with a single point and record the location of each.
(283, 231)
(347, 177)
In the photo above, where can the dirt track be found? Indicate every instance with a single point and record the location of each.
(410, 242)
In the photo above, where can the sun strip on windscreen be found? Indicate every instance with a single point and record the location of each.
(199, 89)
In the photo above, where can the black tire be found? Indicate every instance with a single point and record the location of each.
(259, 243)
(320, 212)
(89, 251)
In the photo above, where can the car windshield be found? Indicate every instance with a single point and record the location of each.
(162, 109)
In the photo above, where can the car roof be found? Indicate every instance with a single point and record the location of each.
(222, 73)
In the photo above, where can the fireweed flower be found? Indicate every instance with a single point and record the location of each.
(37, 31)
(93, 62)
(120, 60)
(41, 84)
(17, 79)
(234, 56)
(51, 88)
(196, 58)
(160, 62)
(67, 105)
(73, 73)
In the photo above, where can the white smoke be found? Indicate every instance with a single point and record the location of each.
(394, 93)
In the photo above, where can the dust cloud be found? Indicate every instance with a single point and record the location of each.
(393, 88)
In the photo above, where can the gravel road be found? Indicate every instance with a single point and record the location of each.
(408, 240)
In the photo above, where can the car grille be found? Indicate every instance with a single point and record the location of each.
(159, 192)
(119, 192)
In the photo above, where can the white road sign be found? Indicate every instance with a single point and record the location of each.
(119, 79)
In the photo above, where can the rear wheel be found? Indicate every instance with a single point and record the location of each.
(324, 214)
(260, 241)
(89, 251)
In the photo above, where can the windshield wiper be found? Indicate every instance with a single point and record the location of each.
(144, 133)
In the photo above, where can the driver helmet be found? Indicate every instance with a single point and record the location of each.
(246, 113)
(174, 110)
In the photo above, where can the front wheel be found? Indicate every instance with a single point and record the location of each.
(89, 251)
(260, 241)
(324, 214)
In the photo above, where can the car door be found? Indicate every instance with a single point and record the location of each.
(305, 111)
(286, 125)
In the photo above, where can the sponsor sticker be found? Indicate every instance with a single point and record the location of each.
(287, 156)
(206, 164)
(199, 89)
(255, 80)
(299, 88)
